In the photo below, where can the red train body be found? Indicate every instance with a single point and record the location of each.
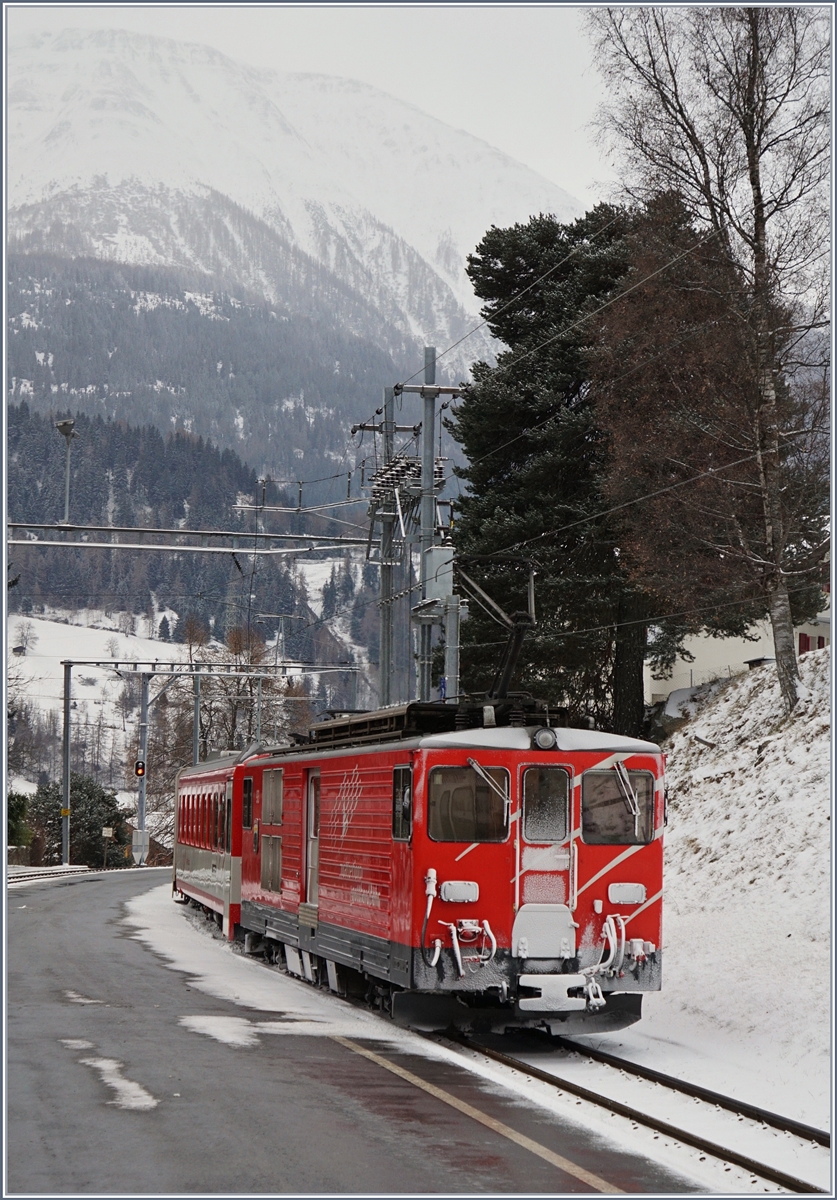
(498, 875)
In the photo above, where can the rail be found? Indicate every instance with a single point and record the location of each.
(739, 1107)
(762, 1170)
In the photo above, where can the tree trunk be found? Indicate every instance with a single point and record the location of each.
(629, 659)
(787, 667)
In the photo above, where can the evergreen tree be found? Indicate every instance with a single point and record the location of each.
(535, 460)
(165, 632)
(92, 808)
(18, 832)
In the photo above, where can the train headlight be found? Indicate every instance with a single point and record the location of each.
(545, 739)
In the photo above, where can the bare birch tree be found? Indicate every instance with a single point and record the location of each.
(729, 107)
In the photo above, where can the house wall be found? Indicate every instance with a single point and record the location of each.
(717, 657)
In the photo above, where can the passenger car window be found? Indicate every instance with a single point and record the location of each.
(247, 807)
(463, 807)
(617, 811)
(402, 803)
(546, 801)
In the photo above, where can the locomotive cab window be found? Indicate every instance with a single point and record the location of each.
(247, 806)
(546, 802)
(617, 807)
(402, 803)
(463, 807)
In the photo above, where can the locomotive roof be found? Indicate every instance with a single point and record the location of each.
(520, 738)
(506, 738)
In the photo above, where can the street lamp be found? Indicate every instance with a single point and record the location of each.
(67, 430)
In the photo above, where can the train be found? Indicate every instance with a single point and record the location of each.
(482, 865)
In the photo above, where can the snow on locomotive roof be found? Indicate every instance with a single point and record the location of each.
(520, 738)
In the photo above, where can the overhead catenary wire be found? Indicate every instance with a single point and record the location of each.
(555, 416)
(497, 312)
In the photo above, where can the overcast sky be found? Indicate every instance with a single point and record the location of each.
(519, 76)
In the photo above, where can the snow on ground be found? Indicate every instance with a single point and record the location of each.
(42, 675)
(746, 1002)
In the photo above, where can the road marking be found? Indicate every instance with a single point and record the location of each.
(563, 1164)
(75, 998)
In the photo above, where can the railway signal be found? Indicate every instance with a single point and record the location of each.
(139, 768)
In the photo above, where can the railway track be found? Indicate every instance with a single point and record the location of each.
(42, 873)
(684, 1136)
(52, 873)
(739, 1107)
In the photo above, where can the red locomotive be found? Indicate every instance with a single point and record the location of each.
(472, 863)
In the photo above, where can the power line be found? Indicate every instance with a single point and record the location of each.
(497, 312)
(606, 512)
(686, 612)
(554, 416)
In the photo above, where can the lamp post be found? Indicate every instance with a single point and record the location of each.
(67, 430)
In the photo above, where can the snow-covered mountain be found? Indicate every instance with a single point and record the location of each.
(146, 150)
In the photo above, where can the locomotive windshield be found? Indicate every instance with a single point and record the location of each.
(617, 807)
(546, 801)
(463, 807)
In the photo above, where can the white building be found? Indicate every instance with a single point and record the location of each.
(715, 658)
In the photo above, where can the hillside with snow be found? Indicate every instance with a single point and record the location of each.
(145, 150)
(746, 1001)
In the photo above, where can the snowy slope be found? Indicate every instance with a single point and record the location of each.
(87, 636)
(113, 132)
(746, 1004)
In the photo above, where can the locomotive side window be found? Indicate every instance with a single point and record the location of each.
(463, 807)
(272, 791)
(247, 806)
(228, 819)
(271, 864)
(546, 802)
(617, 807)
(402, 803)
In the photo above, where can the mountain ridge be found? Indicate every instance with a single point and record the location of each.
(389, 199)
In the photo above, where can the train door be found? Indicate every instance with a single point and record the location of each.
(402, 873)
(544, 927)
(312, 838)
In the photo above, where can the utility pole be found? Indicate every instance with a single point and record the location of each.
(452, 613)
(432, 607)
(385, 668)
(196, 720)
(65, 758)
(143, 753)
(428, 511)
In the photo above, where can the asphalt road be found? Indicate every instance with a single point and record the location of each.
(291, 1114)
